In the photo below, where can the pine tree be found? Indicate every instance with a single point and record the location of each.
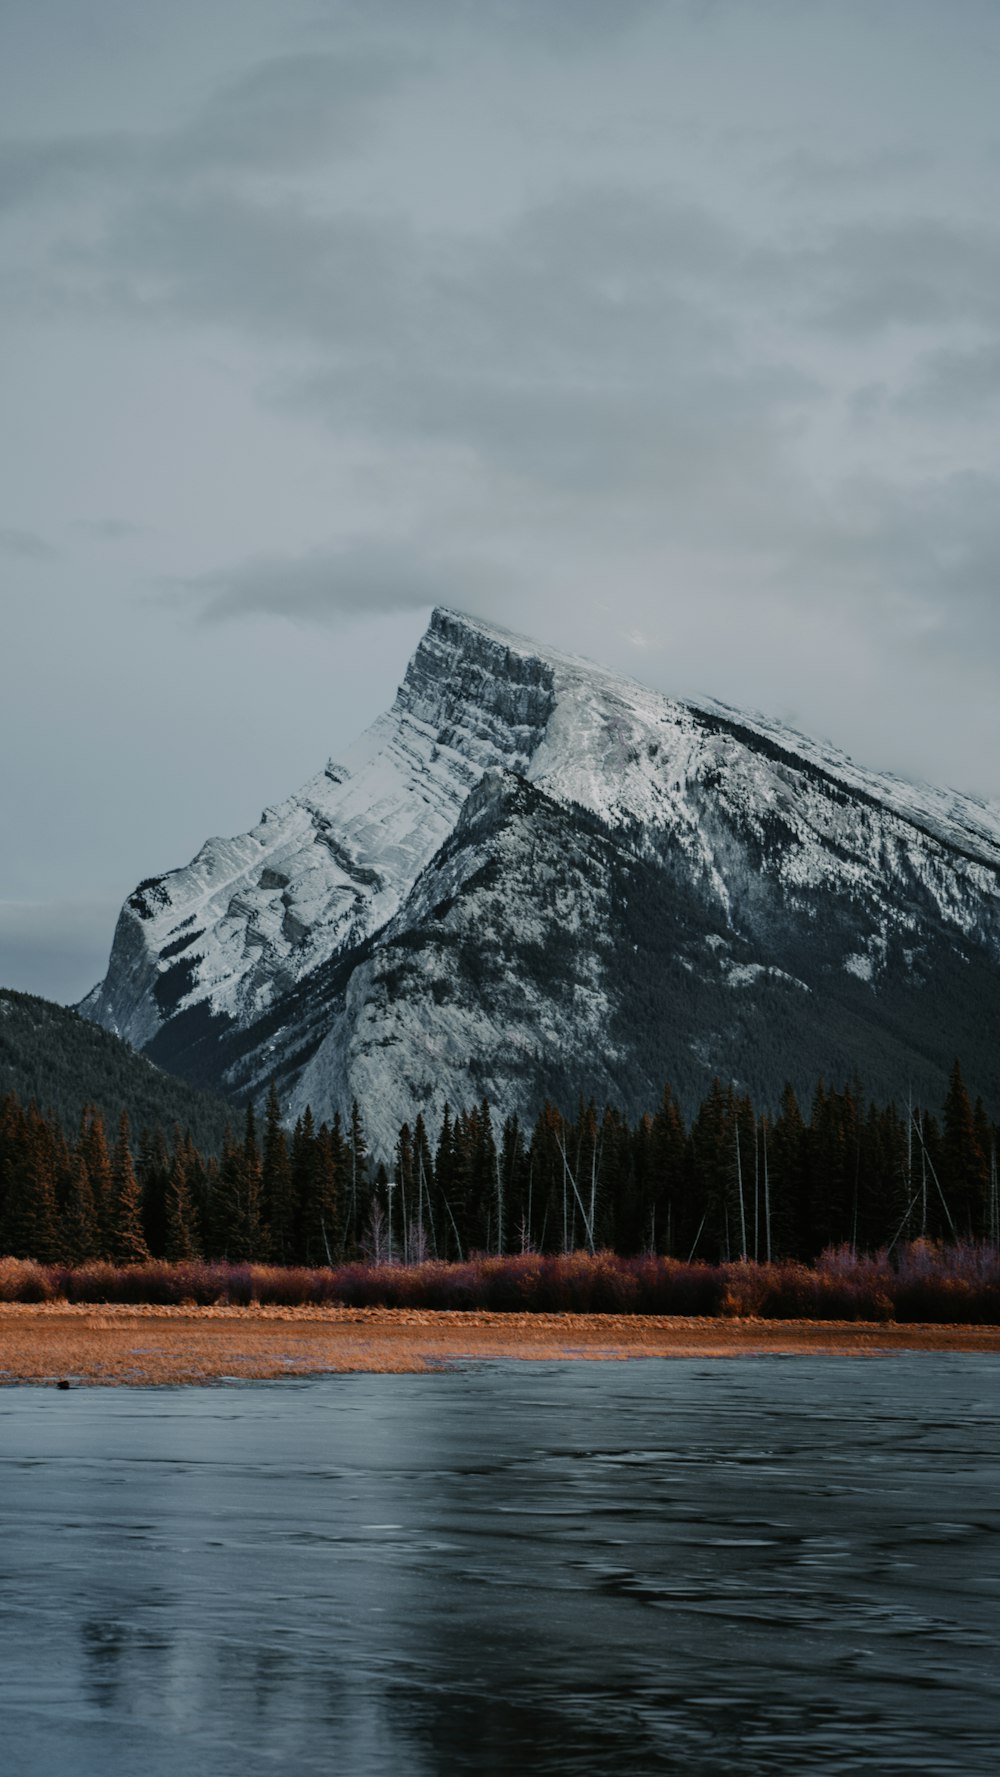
(78, 1232)
(304, 1185)
(11, 1125)
(405, 1189)
(786, 1177)
(376, 1244)
(716, 1174)
(30, 1228)
(94, 1148)
(669, 1145)
(128, 1242)
(153, 1173)
(446, 1181)
(236, 1200)
(320, 1202)
(548, 1178)
(514, 1171)
(964, 1168)
(356, 1212)
(180, 1237)
(625, 1222)
(486, 1194)
(277, 1194)
(423, 1172)
(201, 1177)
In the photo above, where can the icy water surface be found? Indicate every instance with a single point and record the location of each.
(757, 1565)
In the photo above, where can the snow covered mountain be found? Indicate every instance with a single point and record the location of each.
(533, 876)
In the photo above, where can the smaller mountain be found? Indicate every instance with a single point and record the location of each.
(51, 1055)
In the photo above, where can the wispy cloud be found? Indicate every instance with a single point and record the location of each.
(365, 578)
(25, 545)
(283, 114)
(107, 530)
(956, 383)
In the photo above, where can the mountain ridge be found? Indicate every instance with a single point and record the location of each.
(270, 954)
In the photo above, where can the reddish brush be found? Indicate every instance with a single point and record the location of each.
(921, 1282)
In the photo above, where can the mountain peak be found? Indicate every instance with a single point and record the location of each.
(719, 846)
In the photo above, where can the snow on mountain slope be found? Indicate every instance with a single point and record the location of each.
(504, 933)
(279, 952)
(250, 916)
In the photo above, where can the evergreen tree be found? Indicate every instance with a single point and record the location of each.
(514, 1171)
(30, 1228)
(93, 1147)
(78, 1232)
(964, 1170)
(423, 1173)
(476, 1178)
(359, 1195)
(236, 1201)
(405, 1193)
(304, 1187)
(786, 1184)
(128, 1242)
(320, 1201)
(668, 1143)
(888, 1203)
(715, 1171)
(376, 1243)
(547, 1183)
(278, 1195)
(625, 1219)
(447, 1190)
(153, 1172)
(180, 1237)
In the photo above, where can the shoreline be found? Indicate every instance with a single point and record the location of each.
(118, 1345)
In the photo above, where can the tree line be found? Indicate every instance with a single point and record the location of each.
(730, 1183)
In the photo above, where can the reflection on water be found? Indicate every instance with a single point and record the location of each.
(780, 1565)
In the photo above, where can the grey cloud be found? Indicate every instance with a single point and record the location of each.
(287, 112)
(283, 114)
(605, 346)
(564, 26)
(66, 165)
(269, 267)
(598, 269)
(26, 545)
(107, 530)
(593, 342)
(687, 431)
(909, 272)
(363, 578)
(809, 173)
(588, 350)
(953, 383)
(921, 561)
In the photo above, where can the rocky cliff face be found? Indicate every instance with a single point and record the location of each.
(531, 876)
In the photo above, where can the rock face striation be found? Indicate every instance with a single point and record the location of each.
(532, 878)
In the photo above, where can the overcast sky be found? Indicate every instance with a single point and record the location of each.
(667, 331)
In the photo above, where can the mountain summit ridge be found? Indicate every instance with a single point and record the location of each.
(759, 865)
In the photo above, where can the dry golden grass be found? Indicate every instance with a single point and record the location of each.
(49, 1342)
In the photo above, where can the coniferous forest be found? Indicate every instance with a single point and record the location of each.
(731, 1184)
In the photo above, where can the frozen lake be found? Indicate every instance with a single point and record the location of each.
(763, 1564)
